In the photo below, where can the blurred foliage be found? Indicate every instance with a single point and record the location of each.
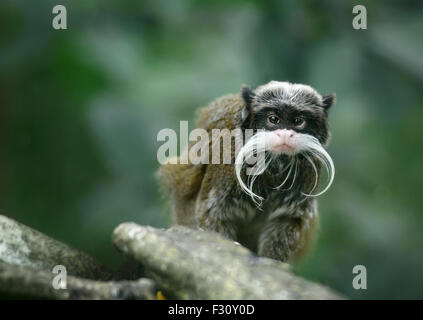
(80, 110)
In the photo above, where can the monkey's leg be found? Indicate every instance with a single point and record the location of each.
(286, 238)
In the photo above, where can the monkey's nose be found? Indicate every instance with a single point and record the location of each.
(285, 132)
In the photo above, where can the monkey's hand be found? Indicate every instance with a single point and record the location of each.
(216, 219)
(286, 238)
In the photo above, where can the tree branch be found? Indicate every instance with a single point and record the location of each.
(25, 281)
(195, 264)
(25, 246)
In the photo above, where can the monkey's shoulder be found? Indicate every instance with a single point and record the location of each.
(222, 113)
(182, 179)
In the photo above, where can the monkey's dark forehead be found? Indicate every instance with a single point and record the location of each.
(294, 94)
(298, 98)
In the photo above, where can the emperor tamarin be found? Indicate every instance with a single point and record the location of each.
(269, 205)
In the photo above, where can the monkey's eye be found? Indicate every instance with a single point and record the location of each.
(273, 119)
(299, 122)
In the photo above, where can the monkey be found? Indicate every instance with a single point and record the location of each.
(273, 209)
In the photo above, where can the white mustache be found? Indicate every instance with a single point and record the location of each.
(256, 147)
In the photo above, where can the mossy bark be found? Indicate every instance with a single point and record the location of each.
(195, 264)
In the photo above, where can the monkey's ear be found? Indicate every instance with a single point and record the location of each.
(247, 95)
(329, 100)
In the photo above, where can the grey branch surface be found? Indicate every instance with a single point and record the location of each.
(195, 264)
(182, 262)
(22, 281)
(25, 246)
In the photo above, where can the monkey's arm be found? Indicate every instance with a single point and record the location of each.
(182, 182)
(213, 210)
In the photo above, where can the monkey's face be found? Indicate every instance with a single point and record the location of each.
(290, 124)
(288, 111)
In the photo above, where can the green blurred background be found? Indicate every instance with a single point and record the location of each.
(80, 110)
